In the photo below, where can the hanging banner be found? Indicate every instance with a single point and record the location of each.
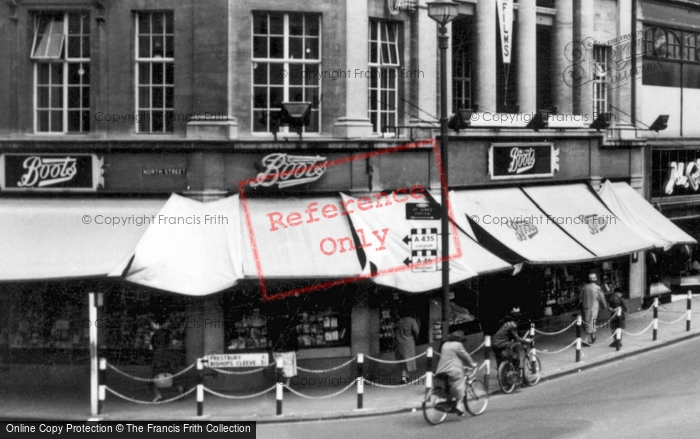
(505, 24)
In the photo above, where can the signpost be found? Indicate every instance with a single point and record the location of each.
(239, 360)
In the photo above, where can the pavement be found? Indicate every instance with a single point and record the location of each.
(333, 402)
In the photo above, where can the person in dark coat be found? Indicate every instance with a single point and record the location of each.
(453, 359)
(616, 301)
(405, 334)
(160, 342)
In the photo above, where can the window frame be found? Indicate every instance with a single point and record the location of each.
(152, 60)
(380, 66)
(63, 59)
(285, 61)
(601, 91)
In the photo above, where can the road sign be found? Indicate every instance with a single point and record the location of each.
(428, 257)
(424, 239)
(238, 360)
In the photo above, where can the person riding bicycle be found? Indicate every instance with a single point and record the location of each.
(453, 359)
(507, 337)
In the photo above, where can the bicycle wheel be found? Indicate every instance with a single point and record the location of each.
(476, 398)
(506, 377)
(532, 370)
(433, 406)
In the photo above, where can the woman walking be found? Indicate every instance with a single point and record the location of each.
(406, 333)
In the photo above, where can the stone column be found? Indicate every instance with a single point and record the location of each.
(355, 123)
(526, 49)
(584, 16)
(638, 272)
(424, 58)
(563, 36)
(486, 28)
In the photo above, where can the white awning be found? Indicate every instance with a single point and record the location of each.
(192, 248)
(512, 219)
(290, 236)
(641, 216)
(51, 238)
(577, 210)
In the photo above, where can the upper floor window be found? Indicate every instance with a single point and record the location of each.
(155, 72)
(286, 65)
(61, 54)
(384, 65)
(662, 43)
(462, 63)
(600, 80)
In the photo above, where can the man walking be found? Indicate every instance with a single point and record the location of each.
(591, 296)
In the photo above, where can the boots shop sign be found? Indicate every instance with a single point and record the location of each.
(51, 172)
(522, 160)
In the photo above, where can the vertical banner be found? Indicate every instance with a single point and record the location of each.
(505, 24)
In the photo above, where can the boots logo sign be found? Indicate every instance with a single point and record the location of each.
(75, 172)
(524, 229)
(596, 224)
(285, 170)
(522, 160)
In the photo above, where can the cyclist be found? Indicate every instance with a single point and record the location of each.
(453, 359)
(507, 336)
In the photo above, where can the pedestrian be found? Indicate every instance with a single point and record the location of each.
(616, 301)
(161, 366)
(453, 359)
(285, 344)
(591, 297)
(405, 333)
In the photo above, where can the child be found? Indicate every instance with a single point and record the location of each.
(616, 301)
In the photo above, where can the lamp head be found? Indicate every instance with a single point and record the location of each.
(443, 11)
(602, 122)
(660, 124)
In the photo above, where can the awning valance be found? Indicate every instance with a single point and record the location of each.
(192, 248)
(51, 238)
(298, 238)
(512, 219)
(579, 212)
(639, 215)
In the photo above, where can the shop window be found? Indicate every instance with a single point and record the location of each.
(384, 63)
(61, 55)
(671, 57)
(155, 72)
(462, 55)
(309, 321)
(286, 65)
(600, 79)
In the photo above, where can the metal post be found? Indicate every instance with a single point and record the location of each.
(94, 354)
(578, 338)
(443, 40)
(360, 380)
(102, 379)
(279, 366)
(689, 315)
(200, 387)
(656, 317)
(618, 330)
(429, 369)
(487, 361)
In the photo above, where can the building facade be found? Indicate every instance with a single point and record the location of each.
(110, 107)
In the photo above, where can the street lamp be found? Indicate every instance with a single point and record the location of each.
(443, 12)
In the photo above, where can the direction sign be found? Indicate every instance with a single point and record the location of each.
(428, 257)
(424, 239)
(239, 360)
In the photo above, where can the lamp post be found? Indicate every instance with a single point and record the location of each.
(443, 12)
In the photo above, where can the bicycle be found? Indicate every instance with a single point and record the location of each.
(510, 373)
(437, 403)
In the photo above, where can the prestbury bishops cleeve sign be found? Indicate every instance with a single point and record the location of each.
(522, 160)
(51, 172)
(286, 170)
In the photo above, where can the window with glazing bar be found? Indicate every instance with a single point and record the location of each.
(384, 63)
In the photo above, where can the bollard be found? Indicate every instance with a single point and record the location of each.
(533, 351)
(279, 364)
(487, 361)
(200, 387)
(656, 317)
(618, 330)
(360, 380)
(689, 315)
(578, 338)
(102, 384)
(429, 370)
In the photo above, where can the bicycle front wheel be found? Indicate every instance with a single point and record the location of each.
(506, 377)
(433, 407)
(532, 370)
(476, 398)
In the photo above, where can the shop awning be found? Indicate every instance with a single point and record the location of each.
(287, 245)
(578, 211)
(641, 216)
(512, 219)
(192, 248)
(403, 243)
(50, 238)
